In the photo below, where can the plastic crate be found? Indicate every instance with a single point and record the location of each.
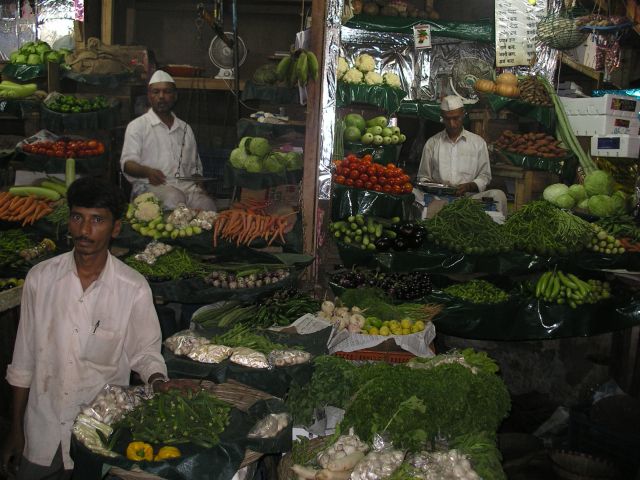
(587, 436)
(213, 163)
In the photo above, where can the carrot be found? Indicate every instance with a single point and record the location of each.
(28, 203)
(29, 209)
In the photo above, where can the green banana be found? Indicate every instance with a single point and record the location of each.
(283, 68)
(312, 60)
(542, 283)
(292, 77)
(566, 281)
(301, 66)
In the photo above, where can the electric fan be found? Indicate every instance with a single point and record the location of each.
(464, 75)
(221, 54)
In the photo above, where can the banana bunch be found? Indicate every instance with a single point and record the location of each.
(558, 287)
(298, 68)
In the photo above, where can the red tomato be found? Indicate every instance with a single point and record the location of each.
(396, 189)
(340, 179)
(367, 158)
(352, 158)
(92, 144)
(377, 187)
(373, 179)
(349, 182)
(379, 168)
(404, 178)
(358, 183)
(364, 177)
(100, 149)
(407, 188)
(391, 165)
(353, 174)
(386, 188)
(337, 163)
(371, 171)
(382, 181)
(343, 171)
(368, 185)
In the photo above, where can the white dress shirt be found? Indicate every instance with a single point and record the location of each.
(454, 163)
(70, 343)
(149, 142)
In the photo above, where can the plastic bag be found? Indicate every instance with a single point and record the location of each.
(248, 357)
(86, 429)
(379, 463)
(210, 353)
(283, 358)
(114, 401)
(184, 342)
(270, 426)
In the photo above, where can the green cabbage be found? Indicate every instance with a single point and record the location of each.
(565, 201)
(238, 157)
(578, 192)
(584, 204)
(243, 143)
(552, 192)
(275, 162)
(598, 183)
(253, 164)
(601, 205)
(619, 203)
(294, 161)
(259, 147)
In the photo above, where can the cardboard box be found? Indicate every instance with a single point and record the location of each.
(626, 146)
(617, 105)
(586, 54)
(603, 125)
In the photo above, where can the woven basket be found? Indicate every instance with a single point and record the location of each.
(234, 393)
(569, 465)
(560, 31)
(284, 467)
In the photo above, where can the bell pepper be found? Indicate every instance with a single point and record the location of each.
(167, 452)
(139, 451)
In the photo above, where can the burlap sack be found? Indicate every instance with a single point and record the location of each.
(99, 59)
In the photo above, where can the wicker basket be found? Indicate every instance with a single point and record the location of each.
(284, 467)
(559, 30)
(234, 393)
(569, 465)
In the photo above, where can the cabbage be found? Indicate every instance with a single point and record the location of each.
(294, 161)
(253, 164)
(265, 75)
(244, 143)
(565, 201)
(259, 147)
(577, 192)
(584, 204)
(238, 157)
(598, 183)
(275, 162)
(619, 203)
(601, 205)
(554, 191)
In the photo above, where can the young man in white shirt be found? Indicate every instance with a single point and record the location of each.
(86, 319)
(159, 148)
(458, 157)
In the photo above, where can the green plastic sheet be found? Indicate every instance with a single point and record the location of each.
(352, 256)
(564, 167)
(544, 115)
(381, 96)
(109, 81)
(95, 165)
(247, 127)
(270, 93)
(24, 72)
(381, 154)
(196, 463)
(346, 201)
(68, 122)
(259, 181)
(480, 31)
(428, 111)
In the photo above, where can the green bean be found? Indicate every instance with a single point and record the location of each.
(478, 291)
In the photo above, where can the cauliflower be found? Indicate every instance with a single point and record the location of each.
(353, 75)
(145, 197)
(365, 63)
(391, 79)
(343, 66)
(147, 211)
(373, 78)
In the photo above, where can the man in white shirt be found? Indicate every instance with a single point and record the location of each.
(458, 157)
(86, 319)
(159, 148)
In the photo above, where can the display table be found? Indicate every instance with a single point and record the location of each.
(10, 298)
(529, 184)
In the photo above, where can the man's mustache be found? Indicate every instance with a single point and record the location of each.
(79, 239)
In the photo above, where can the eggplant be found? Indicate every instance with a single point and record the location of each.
(400, 244)
(415, 241)
(383, 244)
(407, 229)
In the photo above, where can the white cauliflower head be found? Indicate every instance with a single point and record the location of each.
(373, 78)
(343, 66)
(147, 211)
(365, 63)
(391, 79)
(146, 197)
(353, 75)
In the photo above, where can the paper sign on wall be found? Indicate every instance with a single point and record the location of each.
(516, 29)
(422, 36)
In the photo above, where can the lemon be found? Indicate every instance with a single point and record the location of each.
(385, 323)
(406, 331)
(393, 324)
(374, 331)
(420, 325)
(396, 331)
(406, 323)
(384, 331)
(415, 329)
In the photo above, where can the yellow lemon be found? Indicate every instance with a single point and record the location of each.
(374, 331)
(393, 324)
(415, 329)
(420, 325)
(384, 331)
(385, 323)
(406, 323)
(406, 331)
(396, 331)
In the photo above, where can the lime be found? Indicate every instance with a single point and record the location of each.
(374, 331)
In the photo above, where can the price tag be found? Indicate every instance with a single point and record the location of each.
(422, 36)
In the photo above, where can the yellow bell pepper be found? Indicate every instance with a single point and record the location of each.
(139, 451)
(167, 452)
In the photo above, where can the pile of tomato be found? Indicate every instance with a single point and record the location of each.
(65, 148)
(362, 172)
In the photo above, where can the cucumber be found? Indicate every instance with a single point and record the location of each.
(35, 191)
(56, 187)
(70, 171)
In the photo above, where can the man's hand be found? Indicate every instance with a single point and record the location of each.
(155, 176)
(12, 451)
(184, 385)
(466, 188)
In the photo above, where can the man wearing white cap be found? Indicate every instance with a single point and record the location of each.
(159, 149)
(458, 157)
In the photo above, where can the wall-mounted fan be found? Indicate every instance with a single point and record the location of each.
(464, 75)
(221, 54)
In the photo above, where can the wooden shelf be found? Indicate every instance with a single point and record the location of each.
(205, 83)
(587, 71)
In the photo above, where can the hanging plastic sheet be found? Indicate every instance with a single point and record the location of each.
(261, 180)
(564, 167)
(246, 127)
(382, 96)
(381, 154)
(544, 115)
(346, 201)
(108, 81)
(270, 94)
(428, 111)
(104, 119)
(24, 72)
(95, 165)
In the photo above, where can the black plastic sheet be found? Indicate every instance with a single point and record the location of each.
(353, 256)
(248, 127)
(544, 115)
(564, 167)
(262, 180)
(346, 201)
(381, 96)
(19, 107)
(24, 72)
(481, 31)
(416, 108)
(104, 119)
(270, 93)
(109, 81)
(95, 165)
(381, 153)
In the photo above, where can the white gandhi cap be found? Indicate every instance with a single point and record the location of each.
(451, 102)
(161, 76)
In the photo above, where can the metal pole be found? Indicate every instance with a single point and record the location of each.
(236, 57)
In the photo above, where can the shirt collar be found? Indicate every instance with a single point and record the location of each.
(104, 279)
(155, 119)
(462, 136)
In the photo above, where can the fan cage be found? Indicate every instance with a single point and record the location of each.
(217, 61)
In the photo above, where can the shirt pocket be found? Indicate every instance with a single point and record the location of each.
(102, 347)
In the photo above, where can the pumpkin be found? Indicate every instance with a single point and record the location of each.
(484, 86)
(507, 90)
(507, 78)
